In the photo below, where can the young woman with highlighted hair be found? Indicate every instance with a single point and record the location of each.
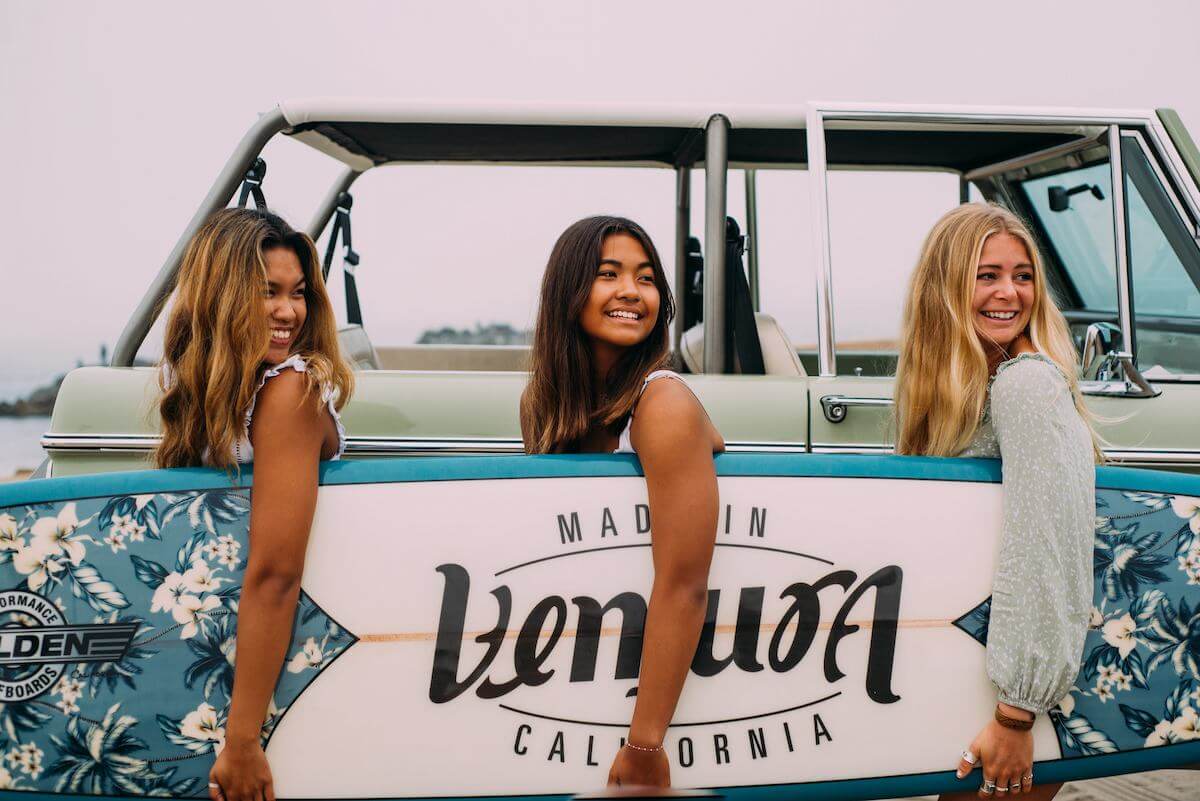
(251, 371)
(987, 368)
(597, 385)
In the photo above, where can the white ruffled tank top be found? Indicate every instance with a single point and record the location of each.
(243, 451)
(624, 443)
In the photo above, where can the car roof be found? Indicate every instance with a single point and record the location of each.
(369, 132)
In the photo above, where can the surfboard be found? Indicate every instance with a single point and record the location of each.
(472, 627)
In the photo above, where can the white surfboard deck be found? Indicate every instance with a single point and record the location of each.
(881, 701)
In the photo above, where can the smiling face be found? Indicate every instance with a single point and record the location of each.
(1004, 291)
(284, 301)
(622, 308)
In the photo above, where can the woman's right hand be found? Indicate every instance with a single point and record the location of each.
(635, 768)
(241, 773)
(1006, 756)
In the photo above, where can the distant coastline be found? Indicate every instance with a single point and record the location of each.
(38, 403)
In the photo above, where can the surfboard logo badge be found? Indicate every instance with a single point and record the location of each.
(37, 643)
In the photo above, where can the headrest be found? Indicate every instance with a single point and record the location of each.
(779, 356)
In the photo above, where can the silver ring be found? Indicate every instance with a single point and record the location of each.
(1028, 778)
(1016, 786)
(1001, 790)
(969, 758)
(214, 785)
(988, 787)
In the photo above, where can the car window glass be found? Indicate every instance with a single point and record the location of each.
(1165, 269)
(878, 221)
(1073, 210)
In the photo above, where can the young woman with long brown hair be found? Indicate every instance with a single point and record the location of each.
(251, 371)
(987, 368)
(597, 385)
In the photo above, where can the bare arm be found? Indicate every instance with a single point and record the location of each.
(675, 443)
(287, 435)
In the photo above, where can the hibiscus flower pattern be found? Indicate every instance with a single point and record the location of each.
(151, 723)
(1139, 683)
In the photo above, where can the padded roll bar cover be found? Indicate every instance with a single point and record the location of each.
(779, 355)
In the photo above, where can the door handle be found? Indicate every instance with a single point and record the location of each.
(836, 407)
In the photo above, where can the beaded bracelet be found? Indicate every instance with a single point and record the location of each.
(1016, 724)
(643, 748)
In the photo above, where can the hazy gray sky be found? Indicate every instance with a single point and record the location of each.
(118, 115)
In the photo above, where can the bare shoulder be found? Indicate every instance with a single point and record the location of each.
(286, 405)
(668, 413)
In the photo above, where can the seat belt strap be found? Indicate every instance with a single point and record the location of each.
(743, 330)
(252, 186)
(341, 227)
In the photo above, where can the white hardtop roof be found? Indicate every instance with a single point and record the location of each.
(675, 115)
(367, 132)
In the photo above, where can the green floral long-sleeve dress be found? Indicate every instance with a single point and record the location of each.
(1042, 589)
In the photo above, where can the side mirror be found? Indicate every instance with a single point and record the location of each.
(1097, 341)
(1115, 376)
(1060, 196)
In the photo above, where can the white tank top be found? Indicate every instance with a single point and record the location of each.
(243, 451)
(624, 443)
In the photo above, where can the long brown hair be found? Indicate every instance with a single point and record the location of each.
(217, 336)
(942, 375)
(562, 401)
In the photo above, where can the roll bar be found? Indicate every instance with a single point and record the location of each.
(716, 151)
(218, 197)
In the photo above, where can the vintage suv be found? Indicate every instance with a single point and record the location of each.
(1114, 197)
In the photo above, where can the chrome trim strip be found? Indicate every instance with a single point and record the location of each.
(854, 448)
(382, 445)
(99, 442)
(1148, 456)
(819, 188)
(1124, 307)
(379, 446)
(768, 447)
(376, 446)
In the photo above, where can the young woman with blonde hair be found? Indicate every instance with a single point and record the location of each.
(987, 368)
(251, 371)
(597, 385)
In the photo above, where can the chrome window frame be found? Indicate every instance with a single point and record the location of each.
(1189, 224)
(819, 114)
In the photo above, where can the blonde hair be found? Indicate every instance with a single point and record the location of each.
(942, 375)
(217, 336)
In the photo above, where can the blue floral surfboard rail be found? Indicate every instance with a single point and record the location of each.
(119, 598)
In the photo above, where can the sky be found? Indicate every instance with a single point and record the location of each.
(117, 117)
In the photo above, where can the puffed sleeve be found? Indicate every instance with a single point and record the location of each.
(1042, 590)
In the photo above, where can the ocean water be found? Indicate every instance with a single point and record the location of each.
(19, 443)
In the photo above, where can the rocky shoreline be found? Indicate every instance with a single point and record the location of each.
(39, 403)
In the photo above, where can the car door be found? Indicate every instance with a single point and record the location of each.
(1146, 406)
(1125, 268)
